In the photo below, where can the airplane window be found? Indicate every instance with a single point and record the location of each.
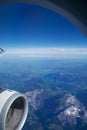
(44, 56)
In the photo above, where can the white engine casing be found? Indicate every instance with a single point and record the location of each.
(13, 110)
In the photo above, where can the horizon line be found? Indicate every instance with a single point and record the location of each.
(45, 49)
(47, 52)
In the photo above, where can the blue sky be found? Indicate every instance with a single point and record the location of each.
(28, 26)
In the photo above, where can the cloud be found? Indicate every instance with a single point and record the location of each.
(48, 52)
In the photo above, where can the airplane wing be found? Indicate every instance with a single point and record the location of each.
(2, 50)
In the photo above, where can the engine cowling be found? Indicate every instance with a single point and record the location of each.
(13, 110)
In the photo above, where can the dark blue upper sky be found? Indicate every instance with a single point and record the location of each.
(27, 25)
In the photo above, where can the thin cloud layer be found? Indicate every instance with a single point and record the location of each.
(48, 52)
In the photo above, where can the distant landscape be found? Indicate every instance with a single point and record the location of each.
(56, 90)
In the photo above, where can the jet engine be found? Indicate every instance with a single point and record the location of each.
(13, 110)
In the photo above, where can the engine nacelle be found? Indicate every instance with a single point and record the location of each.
(13, 110)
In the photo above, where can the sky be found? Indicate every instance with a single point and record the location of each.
(32, 26)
